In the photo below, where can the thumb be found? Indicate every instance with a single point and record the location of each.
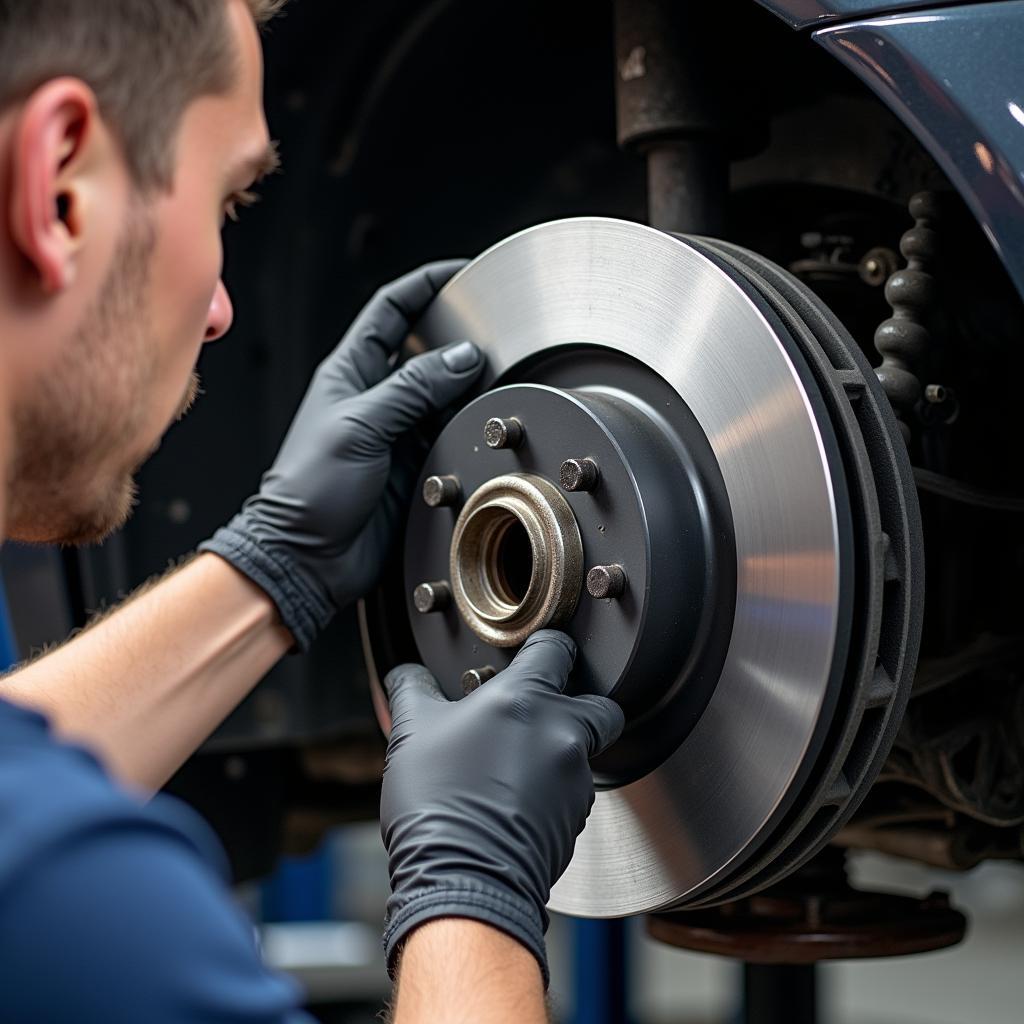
(408, 688)
(602, 718)
(546, 659)
(426, 384)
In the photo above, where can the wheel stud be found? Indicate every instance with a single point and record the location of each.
(579, 475)
(476, 677)
(432, 597)
(503, 433)
(441, 491)
(606, 581)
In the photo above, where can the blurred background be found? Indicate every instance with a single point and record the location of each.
(345, 880)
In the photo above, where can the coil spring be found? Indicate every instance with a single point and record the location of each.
(903, 338)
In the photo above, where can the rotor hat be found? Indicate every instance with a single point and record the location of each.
(519, 550)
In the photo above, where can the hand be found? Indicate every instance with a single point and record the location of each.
(315, 536)
(484, 797)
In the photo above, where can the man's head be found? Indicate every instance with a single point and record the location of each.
(128, 129)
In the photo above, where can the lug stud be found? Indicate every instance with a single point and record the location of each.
(441, 491)
(606, 581)
(476, 677)
(432, 597)
(503, 433)
(579, 475)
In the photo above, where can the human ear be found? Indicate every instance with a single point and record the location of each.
(53, 139)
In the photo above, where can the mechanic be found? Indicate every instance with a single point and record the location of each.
(128, 130)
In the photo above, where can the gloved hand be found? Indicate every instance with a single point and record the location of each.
(315, 536)
(484, 797)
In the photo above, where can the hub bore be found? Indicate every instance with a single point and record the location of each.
(516, 559)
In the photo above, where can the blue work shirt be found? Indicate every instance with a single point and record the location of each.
(114, 910)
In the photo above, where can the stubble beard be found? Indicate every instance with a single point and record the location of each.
(71, 480)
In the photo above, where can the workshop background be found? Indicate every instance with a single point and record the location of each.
(413, 130)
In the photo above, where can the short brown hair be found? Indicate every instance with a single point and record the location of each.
(146, 60)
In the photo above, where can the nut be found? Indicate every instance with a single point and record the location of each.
(503, 433)
(579, 475)
(441, 491)
(476, 677)
(606, 581)
(432, 597)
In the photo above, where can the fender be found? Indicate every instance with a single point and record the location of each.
(805, 13)
(955, 77)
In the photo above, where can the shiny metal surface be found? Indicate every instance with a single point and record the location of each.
(651, 844)
(803, 13)
(954, 77)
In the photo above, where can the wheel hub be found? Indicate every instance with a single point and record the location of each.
(516, 559)
(648, 400)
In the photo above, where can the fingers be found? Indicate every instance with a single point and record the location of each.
(426, 384)
(385, 322)
(408, 686)
(603, 720)
(546, 658)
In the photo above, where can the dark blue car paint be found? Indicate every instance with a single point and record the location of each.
(803, 13)
(955, 76)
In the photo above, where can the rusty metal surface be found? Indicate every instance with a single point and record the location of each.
(815, 915)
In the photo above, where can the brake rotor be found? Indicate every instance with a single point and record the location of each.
(764, 632)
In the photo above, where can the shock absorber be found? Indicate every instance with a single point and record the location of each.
(903, 339)
(670, 112)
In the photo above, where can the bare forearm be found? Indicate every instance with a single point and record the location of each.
(149, 683)
(464, 972)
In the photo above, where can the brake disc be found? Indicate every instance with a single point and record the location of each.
(682, 460)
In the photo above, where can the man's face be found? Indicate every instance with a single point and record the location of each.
(128, 370)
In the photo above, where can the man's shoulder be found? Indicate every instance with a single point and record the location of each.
(107, 911)
(52, 793)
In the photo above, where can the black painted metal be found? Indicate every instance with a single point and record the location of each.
(658, 484)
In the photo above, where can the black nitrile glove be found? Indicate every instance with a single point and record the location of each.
(484, 797)
(315, 536)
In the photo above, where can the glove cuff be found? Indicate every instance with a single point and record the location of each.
(303, 610)
(511, 914)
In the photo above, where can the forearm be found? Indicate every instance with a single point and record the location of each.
(463, 972)
(145, 687)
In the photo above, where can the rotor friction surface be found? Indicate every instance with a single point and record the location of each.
(659, 841)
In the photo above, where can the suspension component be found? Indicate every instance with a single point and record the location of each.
(903, 339)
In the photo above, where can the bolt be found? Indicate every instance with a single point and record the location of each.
(439, 491)
(876, 265)
(606, 581)
(935, 394)
(432, 597)
(476, 677)
(579, 475)
(499, 433)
